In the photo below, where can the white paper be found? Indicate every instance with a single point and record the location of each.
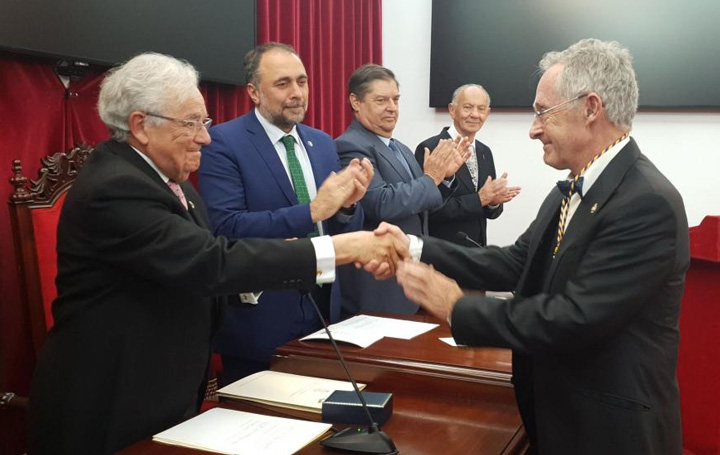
(399, 328)
(242, 433)
(451, 341)
(285, 390)
(354, 331)
(364, 330)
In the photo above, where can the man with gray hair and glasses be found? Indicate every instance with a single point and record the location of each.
(138, 269)
(598, 276)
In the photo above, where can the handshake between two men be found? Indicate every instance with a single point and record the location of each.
(385, 253)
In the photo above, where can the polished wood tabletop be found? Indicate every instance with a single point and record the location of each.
(447, 400)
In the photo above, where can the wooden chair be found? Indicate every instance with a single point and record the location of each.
(34, 213)
(35, 207)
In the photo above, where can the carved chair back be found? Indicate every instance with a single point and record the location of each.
(35, 207)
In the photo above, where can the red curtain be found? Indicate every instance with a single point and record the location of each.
(38, 116)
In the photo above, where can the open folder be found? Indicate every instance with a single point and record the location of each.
(243, 433)
(304, 393)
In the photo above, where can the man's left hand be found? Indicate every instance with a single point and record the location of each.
(363, 173)
(429, 288)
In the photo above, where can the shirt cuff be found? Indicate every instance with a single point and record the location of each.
(325, 259)
(448, 182)
(415, 247)
(250, 297)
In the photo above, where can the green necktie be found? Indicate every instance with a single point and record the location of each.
(296, 175)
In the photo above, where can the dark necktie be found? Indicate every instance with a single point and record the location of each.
(297, 176)
(296, 172)
(399, 155)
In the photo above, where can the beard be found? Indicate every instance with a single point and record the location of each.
(287, 118)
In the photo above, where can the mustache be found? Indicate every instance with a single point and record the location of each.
(294, 105)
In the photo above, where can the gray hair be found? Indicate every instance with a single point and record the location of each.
(603, 67)
(462, 88)
(251, 65)
(149, 82)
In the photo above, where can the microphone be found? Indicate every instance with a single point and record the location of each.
(463, 236)
(373, 440)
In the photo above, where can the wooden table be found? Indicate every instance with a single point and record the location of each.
(447, 400)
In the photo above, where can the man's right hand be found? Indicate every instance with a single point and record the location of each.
(364, 247)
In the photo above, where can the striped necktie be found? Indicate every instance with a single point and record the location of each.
(565, 206)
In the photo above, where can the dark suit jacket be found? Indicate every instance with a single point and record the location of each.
(594, 330)
(395, 197)
(131, 341)
(463, 211)
(249, 194)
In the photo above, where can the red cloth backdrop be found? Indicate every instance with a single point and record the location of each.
(38, 116)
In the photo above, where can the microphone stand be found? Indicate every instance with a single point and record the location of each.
(373, 440)
(463, 236)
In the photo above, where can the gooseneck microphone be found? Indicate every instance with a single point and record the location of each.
(463, 236)
(373, 440)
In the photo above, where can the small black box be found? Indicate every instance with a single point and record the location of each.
(344, 406)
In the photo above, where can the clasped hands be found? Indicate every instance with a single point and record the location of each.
(342, 189)
(446, 158)
(385, 253)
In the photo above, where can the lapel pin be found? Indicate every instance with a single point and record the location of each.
(310, 143)
(594, 208)
(191, 205)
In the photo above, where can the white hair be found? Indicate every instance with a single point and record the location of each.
(603, 67)
(459, 90)
(149, 82)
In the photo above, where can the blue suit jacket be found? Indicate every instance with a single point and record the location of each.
(248, 194)
(395, 197)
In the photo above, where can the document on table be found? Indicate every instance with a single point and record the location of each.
(242, 433)
(285, 390)
(364, 330)
(451, 341)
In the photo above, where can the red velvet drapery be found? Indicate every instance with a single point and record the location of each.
(39, 116)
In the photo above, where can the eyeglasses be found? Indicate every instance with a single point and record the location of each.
(193, 125)
(539, 114)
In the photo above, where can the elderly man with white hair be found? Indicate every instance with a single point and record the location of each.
(598, 276)
(138, 269)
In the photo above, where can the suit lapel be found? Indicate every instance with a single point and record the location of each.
(127, 152)
(543, 229)
(319, 173)
(596, 198)
(462, 174)
(194, 205)
(266, 150)
(384, 151)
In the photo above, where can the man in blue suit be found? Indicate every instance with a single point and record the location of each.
(267, 175)
(401, 192)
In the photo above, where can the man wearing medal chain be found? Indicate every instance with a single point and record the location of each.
(598, 276)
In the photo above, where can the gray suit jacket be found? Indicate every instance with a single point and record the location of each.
(395, 197)
(594, 331)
